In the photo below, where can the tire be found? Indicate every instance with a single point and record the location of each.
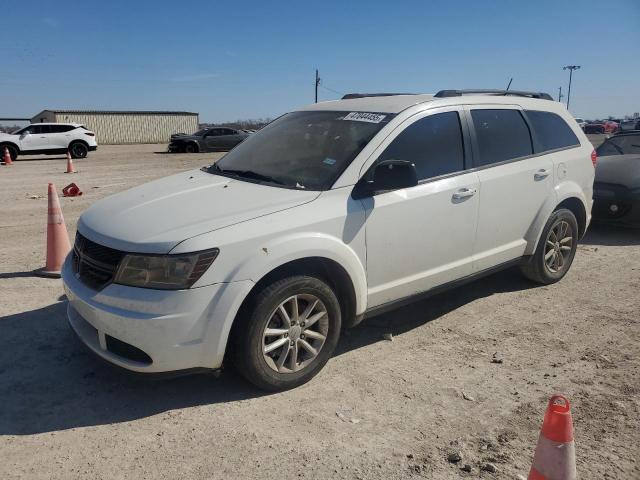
(545, 267)
(271, 371)
(13, 152)
(191, 148)
(78, 150)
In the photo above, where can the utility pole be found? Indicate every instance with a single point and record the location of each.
(317, 83)
(560, 94)
(571, 68)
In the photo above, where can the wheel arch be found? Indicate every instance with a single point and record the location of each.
(78, 140)
(567, 197)
(575, 205)
(326, 269)
(6, 143)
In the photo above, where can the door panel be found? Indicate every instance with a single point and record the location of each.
(36, 140)
(420, 237)
(510, 197)
(214, 139)
(514, 183)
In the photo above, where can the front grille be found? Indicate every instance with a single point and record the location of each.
(95, 264)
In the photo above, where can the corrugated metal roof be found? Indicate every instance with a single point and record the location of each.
(121, 112)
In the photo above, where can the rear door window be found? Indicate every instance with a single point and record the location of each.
(434, 144)
(552, 132)
(502, 134)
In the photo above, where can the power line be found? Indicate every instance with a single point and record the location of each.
(331, 90)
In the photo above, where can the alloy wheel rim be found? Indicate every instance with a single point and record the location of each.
(295, 333)
(78, 151)
(558, 246)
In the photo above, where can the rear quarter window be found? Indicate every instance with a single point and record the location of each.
(552, 132)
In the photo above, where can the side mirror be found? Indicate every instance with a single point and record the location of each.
(394, 175)
(388, 175)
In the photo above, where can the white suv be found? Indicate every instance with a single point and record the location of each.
(49, 139)
(329, 214)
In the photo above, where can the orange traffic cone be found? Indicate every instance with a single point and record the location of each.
(6, 157)
(57, 237)
(555, 457)
(70, 168)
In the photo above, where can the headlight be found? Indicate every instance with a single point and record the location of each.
(165, 272)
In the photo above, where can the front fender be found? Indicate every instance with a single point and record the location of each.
(298, 246)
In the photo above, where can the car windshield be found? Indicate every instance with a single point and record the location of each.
(306, 150)
(620, 145)
(201, 132)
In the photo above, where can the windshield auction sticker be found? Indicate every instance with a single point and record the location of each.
(364, 117)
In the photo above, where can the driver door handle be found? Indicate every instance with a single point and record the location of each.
(541, 174)
(464, 193)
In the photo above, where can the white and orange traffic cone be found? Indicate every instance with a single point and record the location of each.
(70, 168)
(555, 457)
(58, 245)
(6, 157)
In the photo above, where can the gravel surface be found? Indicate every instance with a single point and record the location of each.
(459, 393)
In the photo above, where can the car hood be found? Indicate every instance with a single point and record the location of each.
(619, 169)
(7, 136)
(185, 137)
(157, 216)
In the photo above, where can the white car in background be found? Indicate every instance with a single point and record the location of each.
(49, 139)
(329, 214)
(581, 123)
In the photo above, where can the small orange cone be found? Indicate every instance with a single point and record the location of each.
(71, 190)
(58, 245)
(555, 457)
(70, 168)
(6, 157)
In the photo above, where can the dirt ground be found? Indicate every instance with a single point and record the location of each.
(379, 410)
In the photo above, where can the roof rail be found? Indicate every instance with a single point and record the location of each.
(516, 93)
(364, 95)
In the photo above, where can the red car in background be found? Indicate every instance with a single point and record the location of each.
(605, 126)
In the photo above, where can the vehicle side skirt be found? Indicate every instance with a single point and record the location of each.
(386, 307)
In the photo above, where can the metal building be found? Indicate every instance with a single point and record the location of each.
(120, 127)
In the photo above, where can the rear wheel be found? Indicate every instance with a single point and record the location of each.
(287, 333)
(78, 150)
(556, 248)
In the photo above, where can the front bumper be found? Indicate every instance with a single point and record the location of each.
(616, 204)
(154, 331)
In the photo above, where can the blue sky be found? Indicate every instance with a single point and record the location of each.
(246, 59)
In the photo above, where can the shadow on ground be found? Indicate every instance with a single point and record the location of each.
(49, 381)
(612, 236)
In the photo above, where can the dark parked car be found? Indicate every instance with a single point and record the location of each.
(616, 191)
(207, 140)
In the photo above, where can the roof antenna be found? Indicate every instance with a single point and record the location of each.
(508, 86)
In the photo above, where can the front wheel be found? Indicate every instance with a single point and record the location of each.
(287, 333)
(556, 248)
(13, 152)
(190, 148)
(78, 150)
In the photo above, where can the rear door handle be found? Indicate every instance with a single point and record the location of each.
(464, 193)
(541, 174)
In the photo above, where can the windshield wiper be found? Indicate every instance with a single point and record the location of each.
(247, 174)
